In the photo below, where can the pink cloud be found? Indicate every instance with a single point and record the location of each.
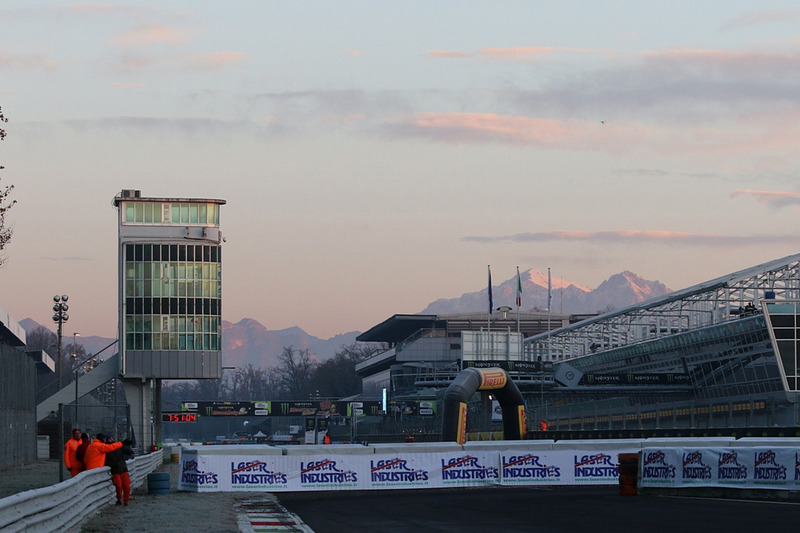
(525, 130)
(151, 34)
(448, 54)
(773, 198)
(519, 53)
(127, 85)
(523, 53)
(216, 60)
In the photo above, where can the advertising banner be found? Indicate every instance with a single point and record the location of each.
(407, 470)
(745, 467)
(562, 467)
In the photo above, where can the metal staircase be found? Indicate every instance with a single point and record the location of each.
(101, 374)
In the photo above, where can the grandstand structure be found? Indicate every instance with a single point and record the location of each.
(718, 354)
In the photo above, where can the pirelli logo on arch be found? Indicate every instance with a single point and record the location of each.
(492, 378)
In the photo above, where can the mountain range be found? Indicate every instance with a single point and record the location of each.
(248, 342)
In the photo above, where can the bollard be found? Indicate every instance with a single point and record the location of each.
(628, 474)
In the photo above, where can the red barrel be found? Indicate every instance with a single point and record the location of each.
(628, 474)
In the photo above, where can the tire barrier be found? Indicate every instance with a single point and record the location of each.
(471, 380)
(628, 474)
(158, 483)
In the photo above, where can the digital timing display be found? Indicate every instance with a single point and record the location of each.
(179, 417)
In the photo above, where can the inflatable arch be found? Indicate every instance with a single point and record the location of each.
(466, 383)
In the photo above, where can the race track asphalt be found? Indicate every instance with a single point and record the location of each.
(531, 510)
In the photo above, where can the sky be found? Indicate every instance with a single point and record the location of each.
(376, 156)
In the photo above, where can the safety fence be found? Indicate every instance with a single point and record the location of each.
(420, 465)
(63, 506)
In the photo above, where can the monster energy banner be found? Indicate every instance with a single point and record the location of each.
(318, 408)
(227, 408)
(636, 379)
(526, 367)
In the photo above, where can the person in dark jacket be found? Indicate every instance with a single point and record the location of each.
(116, 461)
(80, 453)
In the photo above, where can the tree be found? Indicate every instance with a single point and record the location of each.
(294, 371)
(42, 338)
(254, 384)
(5, 202)
(336, 377)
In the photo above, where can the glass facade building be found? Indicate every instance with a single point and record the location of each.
(170, 286)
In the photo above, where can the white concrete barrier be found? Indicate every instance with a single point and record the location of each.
(63, 506)
(428, 465)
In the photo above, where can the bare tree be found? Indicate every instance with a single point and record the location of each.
(5, 202)
(336, 377)
(294, 371)
(210, 390)
(172, 394)
(42, 338)
(253, 384)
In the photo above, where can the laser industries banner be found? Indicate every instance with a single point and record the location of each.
(776, 468)
(244, 471)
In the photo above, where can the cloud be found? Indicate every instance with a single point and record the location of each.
(677, 86)
(772, 198)
(159, 126)
(61, 11)
(203, 61)
(734, 64)
(311, 105)
(757, 18)
(127, 85)
(448, 54)
(217, 60)
(29, 62)
(525, 53)
(344, 119)
(518, 53)
(633, 237)
(491, 127)
(149, 35)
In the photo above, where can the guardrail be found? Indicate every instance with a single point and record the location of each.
(63, 506)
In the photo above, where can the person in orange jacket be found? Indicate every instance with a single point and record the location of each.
(97, 450)
(74, 466)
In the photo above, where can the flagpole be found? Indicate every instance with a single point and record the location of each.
(491, 304)
(519, 296)
(549, 301)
